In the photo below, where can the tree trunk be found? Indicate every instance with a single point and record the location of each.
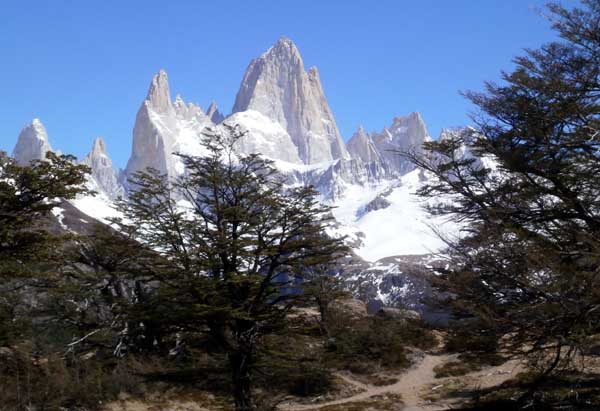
(240, 367)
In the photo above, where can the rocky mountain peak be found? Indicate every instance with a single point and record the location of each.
(277, 86)
(405, 133)
(362, 147)
(98, 148)
(179, 103)
(286, 50)
(32, 143)
(103, 174)
(163, 128)
(159, 97)
(214, 114)
(188, 111)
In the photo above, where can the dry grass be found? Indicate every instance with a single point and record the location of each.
(467, 363)
(385, 402)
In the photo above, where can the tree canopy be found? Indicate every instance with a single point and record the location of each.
(527, 192)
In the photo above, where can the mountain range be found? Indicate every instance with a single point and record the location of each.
(284, 109)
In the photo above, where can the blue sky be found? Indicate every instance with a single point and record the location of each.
(83, 67)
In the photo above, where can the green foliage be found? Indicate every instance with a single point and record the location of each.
(27, 195)
(52, 382)
(527, 265)
(472, 336)
(360, 344)
(232, 243)
(30, 255)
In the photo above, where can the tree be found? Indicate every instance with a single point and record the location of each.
(527, 261)
(323, 288)
(104, 277)
(29, 253)
(234, 243)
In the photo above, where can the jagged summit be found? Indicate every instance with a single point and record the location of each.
(159, 96)
(361, 146)
(214, 114)
(405, 133)
(103, 174)
(98, 148)
(277, 86)
(284, 48)
(32, 143)
(163, 128)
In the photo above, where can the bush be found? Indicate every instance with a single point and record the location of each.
(28, 382)
(355, 344)
(472, 336)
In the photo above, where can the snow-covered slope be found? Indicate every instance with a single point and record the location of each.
(264, 136)
(388, 219)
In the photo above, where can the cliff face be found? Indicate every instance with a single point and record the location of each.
(277, 86)
(163, 128)
(103, 173)
(32, 143)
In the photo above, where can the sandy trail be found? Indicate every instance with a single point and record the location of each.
(408, 386)
(412, 383)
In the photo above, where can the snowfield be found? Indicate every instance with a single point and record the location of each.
(402, 228)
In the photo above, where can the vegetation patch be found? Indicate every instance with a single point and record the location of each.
(467, 363)
(385, 402)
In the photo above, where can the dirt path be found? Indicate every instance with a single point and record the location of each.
(408, 386)
(412, 383)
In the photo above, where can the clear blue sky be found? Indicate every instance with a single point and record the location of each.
(83, 67)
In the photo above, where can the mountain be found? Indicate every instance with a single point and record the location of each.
(163, 128)
(406, 133)
(103, 174)
(361, 146)
(276, 85)
(32, 143)
(214, 114)
(264, 136)
(286, 118)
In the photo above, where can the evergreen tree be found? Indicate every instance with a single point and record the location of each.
(527, 262)
(234, 244)
(105, 275)
(29, 253)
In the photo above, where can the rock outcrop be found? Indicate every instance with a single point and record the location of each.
(276, 85)
(32, 143)
(405, 133)
(214, 114)
(103, 173)
(361, 146)
(163, 128)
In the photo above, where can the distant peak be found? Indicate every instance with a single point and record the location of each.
(360, 134)
(283, 40)
(413, 119)
(32, 143)
(37, 129)
(158, 93)
(284, 49)
(99, 146)
(214, 114)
